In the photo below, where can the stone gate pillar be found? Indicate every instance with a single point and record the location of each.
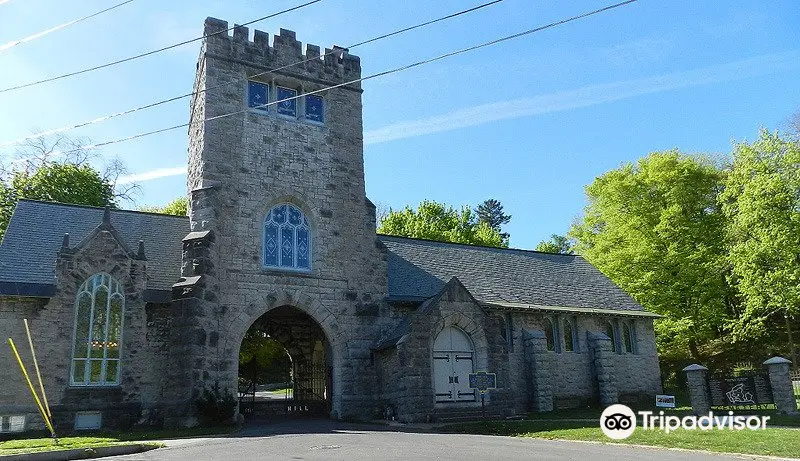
(540, 368)
(781, 383)
(603, 359)
(697, 385)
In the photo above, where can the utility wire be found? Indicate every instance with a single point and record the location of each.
(159, 50)
(379, 74)
(14, 43)
(194, 93)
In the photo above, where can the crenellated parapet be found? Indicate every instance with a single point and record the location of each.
(285, 56)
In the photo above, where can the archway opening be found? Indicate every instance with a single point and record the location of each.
(285, 366)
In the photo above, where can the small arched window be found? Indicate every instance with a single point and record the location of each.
(287, 238)
(550, 334)
(627, 338)
(569, 336)
(99, 310)
(612, 335)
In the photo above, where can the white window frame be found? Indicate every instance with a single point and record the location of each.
(89, 287)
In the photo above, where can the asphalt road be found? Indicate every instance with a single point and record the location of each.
(328, 440)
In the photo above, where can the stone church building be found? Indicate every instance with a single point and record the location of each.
(134, 315)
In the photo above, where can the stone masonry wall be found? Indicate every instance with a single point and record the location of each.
(241, 166)
(52, 327)
(408, 369)
(573, 377)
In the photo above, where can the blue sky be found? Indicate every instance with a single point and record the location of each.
(529, 122)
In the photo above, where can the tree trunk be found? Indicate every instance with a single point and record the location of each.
(694, 351)
(792, 348)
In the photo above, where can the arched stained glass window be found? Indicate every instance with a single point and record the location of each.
(99, 310)
(287, 238)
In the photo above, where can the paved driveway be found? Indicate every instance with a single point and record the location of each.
(328, 440)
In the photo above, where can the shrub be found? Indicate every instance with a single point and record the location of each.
(215, 407)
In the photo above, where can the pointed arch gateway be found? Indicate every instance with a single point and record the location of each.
(304, 376)
(453, 356)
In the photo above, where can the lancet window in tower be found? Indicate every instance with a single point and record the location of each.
(287, 239)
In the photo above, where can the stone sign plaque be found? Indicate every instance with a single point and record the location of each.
(741, 390)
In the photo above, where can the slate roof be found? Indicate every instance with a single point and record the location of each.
(34, 235)
(419, 269)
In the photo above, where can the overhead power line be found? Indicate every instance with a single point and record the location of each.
(148, 53)
(379, 74)
(14, 43)
(177, 98)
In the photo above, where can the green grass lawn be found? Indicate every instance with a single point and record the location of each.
(772, 441)
(13, 447)
(105, 439)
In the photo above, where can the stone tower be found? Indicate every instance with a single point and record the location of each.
(241, 260)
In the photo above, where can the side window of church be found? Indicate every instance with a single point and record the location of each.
(611, 332)
(550, 334)
(257, 96)
(287, 239)
(99, 310)
(315, 108)
(286, 106)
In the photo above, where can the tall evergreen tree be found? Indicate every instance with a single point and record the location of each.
(491, 213)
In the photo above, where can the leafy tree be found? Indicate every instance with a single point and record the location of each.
(177, 207)
(491, 213)
(55, 182)
(262, 359)
(559, 244)
(656, 230)
(762, 202)
(58, 169)
(436, 221)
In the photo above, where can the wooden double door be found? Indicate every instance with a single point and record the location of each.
(452, 364)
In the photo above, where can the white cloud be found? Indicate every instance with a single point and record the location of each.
(583, 97)
(152, 174)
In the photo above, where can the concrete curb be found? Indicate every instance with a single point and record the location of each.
(81, 453)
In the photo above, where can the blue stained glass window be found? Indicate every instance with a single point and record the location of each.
(302, 247)
(287, 246)
(287, 238)
(294, 216)
(315, 108)
(287, 107)
(279, 214)
(270, 244)
(257, 95)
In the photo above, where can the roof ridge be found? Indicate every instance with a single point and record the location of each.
(486, 247)
(74, 205)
